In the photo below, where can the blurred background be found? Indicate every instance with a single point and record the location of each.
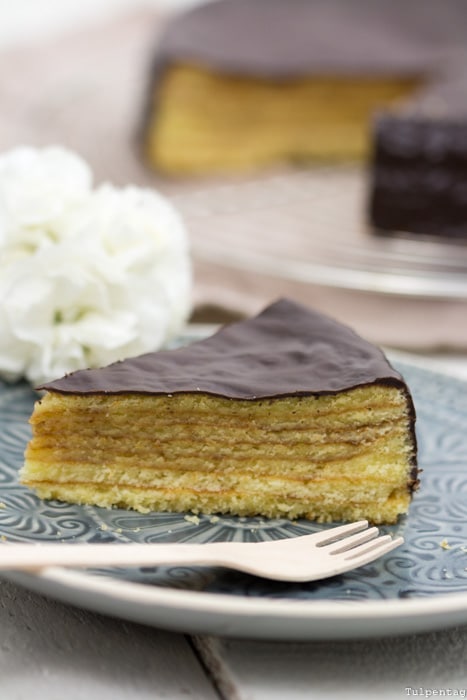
(25, 20)
(76, 74)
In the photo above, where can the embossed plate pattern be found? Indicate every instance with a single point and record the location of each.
(420, 586)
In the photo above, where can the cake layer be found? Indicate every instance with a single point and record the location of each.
(209, 122)
(366, 405)
(208, 429)
(320, 509)
(385, 474)
(156, 453)
(337, 450)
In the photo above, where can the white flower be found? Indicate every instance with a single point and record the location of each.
(37, 189)
(87, 277)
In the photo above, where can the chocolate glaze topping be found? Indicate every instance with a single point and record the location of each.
(274, 38)
(286, 350)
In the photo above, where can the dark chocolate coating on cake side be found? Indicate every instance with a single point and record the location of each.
(420, 177)
(287, 350)
(419, 162)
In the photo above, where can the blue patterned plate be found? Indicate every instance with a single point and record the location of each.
(420, 586)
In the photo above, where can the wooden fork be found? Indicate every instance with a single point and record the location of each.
(303, 558)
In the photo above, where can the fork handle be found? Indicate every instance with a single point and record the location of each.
(33, 557)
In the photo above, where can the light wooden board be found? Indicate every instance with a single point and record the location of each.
(386, 668)
(51, 651)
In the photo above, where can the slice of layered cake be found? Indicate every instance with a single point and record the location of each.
(288, 414)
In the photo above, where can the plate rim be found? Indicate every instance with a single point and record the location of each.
(199, 612)
(223, 613)
(427, 286)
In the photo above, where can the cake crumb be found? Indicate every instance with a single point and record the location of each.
(3, 538)
(136, 529)
(2, 504)
(103, 526)
(214, 519)
(192, 519)
(444, 544)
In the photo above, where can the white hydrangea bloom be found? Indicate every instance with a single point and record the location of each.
(37, 189)
(87, 276)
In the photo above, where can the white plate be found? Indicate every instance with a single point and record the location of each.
(418, 587)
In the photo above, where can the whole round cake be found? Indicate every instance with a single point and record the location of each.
(243, 84)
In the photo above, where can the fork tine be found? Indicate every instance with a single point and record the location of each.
(348, 543)
(336, 533)
(382, 544)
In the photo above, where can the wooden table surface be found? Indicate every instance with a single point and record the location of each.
(52, 651)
